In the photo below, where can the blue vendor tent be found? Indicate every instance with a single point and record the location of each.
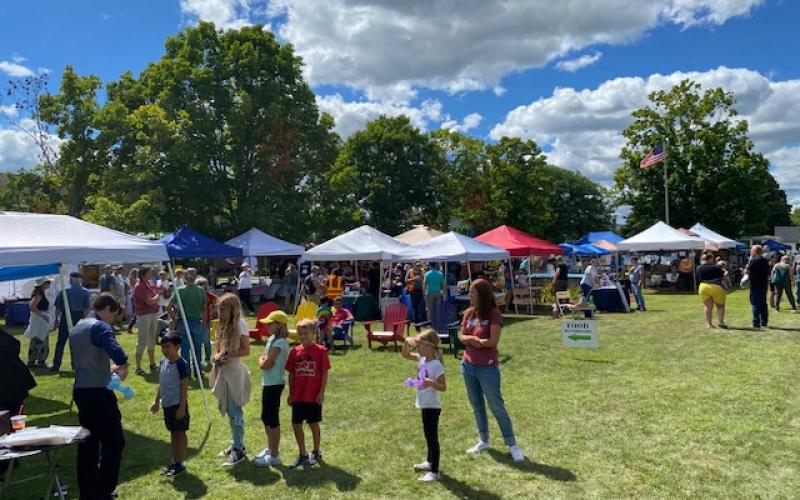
(775, 246)
(583, 250)
(595, 236)
(15, 273)
(186, 244)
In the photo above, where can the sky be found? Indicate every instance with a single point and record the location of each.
(566, 74)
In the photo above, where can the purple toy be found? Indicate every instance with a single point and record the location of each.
(417, 382)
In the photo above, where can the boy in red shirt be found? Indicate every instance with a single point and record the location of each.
(308, 366)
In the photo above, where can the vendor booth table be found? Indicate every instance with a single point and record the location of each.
(364, 308)
(610, 299)
(17, 313)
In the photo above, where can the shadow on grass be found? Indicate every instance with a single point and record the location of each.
(190, 485)
(505, 358)
(527, 465)
(603, 361)
(461, 489)
(256, 476)
(317, 476)
(41, 406)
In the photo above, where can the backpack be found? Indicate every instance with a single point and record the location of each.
(779, 275)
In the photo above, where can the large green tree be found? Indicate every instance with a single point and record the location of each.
(386, 175)
(714, 174)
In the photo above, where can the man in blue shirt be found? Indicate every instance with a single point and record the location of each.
(433, 284)
(79, 303)
(93, 348)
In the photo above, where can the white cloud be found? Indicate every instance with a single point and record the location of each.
(225, 14)
(9, 111)
(106, 17)
(469, 122)
(372, 45)
(353, 116)
(18, 150)
(582, 128)
(14, 69)
(18, 58)
(573, 65)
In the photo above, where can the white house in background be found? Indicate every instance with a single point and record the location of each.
(788, 234)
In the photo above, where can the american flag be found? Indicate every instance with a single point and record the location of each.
(653, 158)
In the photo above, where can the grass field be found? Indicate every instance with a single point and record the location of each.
(664, 408)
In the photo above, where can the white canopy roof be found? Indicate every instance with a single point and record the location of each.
(256, 243)
(454, 246)
(716, 238)
(362, 243)
(661, 237)
(417, 235)
(49, 239)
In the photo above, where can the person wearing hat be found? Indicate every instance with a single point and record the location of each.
(245, 287)
(39, 325)
(272, 363)
(80, 301)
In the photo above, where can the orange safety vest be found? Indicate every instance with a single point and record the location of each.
(335, 286)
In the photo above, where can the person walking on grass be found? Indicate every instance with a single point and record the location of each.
(38, 329)
(93, 347)
(758, 271)
(145, 307)
(245, 288)
(637, 283)
(480, 334)
(210, 313)
(193, 299)
(428, 354)
(591, 278)
(308, 366)
(173, 396)
(230, 378)
(710, 277)
(273, 363)
(80, 301)
(782, 278)
(433, 286)
(414, 282)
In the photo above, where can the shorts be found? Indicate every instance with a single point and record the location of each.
(271, 405)
(714, 292)
(306, 412)
(562, 285)
(173, 424)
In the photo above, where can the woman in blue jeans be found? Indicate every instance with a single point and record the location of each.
(480, 334)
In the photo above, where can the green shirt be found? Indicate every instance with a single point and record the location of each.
(275, 375)
(193, 299)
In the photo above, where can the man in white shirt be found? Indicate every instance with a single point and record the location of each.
(245, 287)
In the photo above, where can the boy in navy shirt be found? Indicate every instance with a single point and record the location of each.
(173, 395)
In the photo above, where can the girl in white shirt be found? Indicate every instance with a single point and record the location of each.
(427, 351)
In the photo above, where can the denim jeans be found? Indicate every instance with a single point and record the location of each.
(758, 299)
(637, 292)
(63, 336)
(206, 343)
(484, 382)
(196, 330)
(586, 289)
(236, 418)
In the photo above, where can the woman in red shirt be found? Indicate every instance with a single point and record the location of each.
(480, 334)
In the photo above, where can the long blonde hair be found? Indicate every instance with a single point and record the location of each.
(430, 336)
(230, 312)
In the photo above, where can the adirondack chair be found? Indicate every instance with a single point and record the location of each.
(395, 320)
(443, 319)
(307, 310)
(259, 333)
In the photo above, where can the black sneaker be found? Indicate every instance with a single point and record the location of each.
(166, 470)
(315, 458)
(175, 470)
(234, 458)
(300, 460)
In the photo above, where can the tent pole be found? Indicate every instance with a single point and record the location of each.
(299, 285)
(469, 273)
(65, 297)
(513, 288)
(191, 342)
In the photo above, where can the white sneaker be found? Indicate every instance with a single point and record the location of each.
(424, 466)
(267, 461)
(263, 453)
(478, 448)
(516, 454)
(429, 477)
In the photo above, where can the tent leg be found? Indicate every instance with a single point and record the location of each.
(191, 342)
(513, 287)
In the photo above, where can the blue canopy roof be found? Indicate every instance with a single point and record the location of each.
(775, 246)
(609, 236)
(25, 272)
(583, 250)
(186, 243)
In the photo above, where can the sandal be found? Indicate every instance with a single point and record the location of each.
(140, 372)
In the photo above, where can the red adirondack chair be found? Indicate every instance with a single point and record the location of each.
(259, 333)
(395, 320)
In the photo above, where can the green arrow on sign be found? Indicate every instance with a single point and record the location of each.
(579, 337)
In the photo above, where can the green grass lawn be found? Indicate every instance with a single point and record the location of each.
(664, 408)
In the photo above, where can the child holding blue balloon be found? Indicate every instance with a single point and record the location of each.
(424, 349)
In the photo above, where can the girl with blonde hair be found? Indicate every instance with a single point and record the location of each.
(230, 378)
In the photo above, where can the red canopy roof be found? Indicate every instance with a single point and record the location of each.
(518, 243)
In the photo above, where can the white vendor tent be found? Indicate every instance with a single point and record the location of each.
(454, 246)
(418, 234)
(712, 236)
(256, 243)
(660, 237)
(362, 243)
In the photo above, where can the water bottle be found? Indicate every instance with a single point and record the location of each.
(116, 385)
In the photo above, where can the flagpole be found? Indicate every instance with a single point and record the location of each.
(666, 185)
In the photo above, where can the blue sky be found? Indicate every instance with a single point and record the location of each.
(566, 74)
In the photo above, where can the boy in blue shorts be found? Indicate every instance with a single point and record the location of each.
(173, 395)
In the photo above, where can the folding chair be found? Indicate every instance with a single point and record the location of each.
(562, 307)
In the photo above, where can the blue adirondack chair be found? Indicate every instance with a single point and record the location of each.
(443, 319)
